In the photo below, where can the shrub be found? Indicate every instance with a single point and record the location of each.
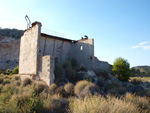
(83, 68)
(100, 82)
(80, 86)
(113, 92)
(136, 89)
(1, 80)
(98, 104)
(101, 73)
(52, 88)
(26, 103)
(122, 90)
(26, 81)
(90, 89)
(39, 87)
(108, 85)
(117, 91)
(6, 81)
(17, 82)
(135, 81)
(74, 63)
(121, 68)
(60, 91)
(8, 71)
(84, 87)
(116, 84)
(58, 73)
(16, 77)
(1, 87)
(71, 74)
(15, 71)
(69, 88)
(140, 102)
(51, 104)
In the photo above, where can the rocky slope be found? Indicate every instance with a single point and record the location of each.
(9, 48)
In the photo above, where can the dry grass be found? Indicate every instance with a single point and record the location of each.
(51, 103)
(69, 88)
(141, 102)
(80, 86)
(98, 104)
(27, 81)
(52, 88)
(143, 79)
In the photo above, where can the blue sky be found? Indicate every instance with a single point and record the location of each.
(120, 28)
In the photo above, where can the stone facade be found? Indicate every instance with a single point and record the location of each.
(39, 51)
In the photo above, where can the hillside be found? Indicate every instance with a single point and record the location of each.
(13, 33)
(10, 47)
(140, 71)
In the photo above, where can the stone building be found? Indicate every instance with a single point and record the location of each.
(39, 52)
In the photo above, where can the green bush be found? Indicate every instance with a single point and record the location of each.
(121, 68)
(15, 71)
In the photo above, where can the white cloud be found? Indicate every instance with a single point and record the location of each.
(144, 45)
(134, 47)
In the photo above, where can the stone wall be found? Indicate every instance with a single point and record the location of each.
(83, 51)
(47, 71)
(101, 65)
(29, 50)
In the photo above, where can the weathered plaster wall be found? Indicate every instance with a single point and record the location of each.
(83, 51)
(9, 52)
(47, 71)
(59, 49)
(29, 50)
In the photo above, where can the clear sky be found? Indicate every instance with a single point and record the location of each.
(120, 28)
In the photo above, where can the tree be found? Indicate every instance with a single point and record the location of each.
(121, 68)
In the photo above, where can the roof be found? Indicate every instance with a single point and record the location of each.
(56, 37)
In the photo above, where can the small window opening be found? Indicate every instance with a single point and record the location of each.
(81, 48)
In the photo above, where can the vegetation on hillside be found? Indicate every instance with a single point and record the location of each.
(76, 90)
(13, 33)
(31, 96)
(140, 71)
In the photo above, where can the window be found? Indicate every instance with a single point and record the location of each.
(81, 48)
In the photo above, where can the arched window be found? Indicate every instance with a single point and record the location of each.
(81, 48)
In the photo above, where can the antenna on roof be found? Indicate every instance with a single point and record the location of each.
(28, 21)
